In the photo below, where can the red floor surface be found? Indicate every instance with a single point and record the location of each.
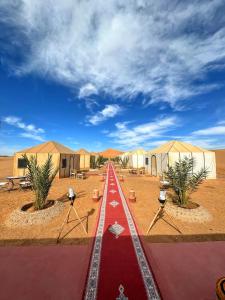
(43, 272)
(187, 271)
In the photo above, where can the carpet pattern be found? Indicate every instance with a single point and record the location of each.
(118, 267)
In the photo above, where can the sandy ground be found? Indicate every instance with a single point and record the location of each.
(6, 167)
(210, 195)
(47, 233)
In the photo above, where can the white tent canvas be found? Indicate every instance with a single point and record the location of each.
(137, 158)
(171, 152)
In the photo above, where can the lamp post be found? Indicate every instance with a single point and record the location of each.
(162, 201)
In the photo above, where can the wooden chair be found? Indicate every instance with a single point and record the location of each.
(73, 173)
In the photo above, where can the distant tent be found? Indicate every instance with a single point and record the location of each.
(137, 158)
(158, 160)
(85, 159)
(110, 153)
(62, 157)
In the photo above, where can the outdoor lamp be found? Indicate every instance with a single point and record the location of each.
(95, 195)
(71, 195)
(162, 197)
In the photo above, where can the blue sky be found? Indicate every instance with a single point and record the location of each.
(121, 74)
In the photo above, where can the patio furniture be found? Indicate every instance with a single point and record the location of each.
(142, 171)
(4, 185)
(81, 175)
(11, 180)
(25, 184)
(73, 173)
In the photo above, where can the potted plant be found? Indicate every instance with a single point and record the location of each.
(41, 178)
(183, 181)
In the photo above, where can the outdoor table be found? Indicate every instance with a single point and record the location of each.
(12, 178)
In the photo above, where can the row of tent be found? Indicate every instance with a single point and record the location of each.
(157, 161)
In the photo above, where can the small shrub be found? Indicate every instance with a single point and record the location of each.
(41, 178)
(182, 179)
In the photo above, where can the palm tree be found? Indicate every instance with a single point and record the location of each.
(101, 160)
(182, 179)
(124, 161)
(41, 178)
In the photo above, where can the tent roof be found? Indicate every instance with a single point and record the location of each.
(82, 151)
(139, 151)
(94, 153)
(177, 146)
(108, 153)
(48, 147)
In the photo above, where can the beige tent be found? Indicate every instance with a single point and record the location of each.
(137, 158)
(62, 157)
(158, 160)
(85, 158)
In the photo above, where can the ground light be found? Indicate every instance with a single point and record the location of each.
(161, 211)
(71, 196)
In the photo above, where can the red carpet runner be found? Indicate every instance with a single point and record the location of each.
(118, 267)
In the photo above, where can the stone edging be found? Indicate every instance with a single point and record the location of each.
(23, 218)
(195, 215)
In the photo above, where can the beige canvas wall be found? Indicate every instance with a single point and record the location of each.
(202, 160)
(85, 161)
(72, 162)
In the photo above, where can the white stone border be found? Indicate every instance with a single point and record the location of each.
(92, 282)
(147, 276)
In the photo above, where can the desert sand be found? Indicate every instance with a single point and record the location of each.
(210, 195)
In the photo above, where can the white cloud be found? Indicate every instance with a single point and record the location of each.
(29, 130)
(87, 90)
(109, 111)
(216, 130)
(143, 135)
(123, 48)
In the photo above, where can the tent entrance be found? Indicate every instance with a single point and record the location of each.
(153, 165)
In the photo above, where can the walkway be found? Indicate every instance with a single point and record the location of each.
(118, 265)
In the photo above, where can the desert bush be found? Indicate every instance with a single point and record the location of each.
(124, 162)
(182, 179)
(93, 162)
(41, 178)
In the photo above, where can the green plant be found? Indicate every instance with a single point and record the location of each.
(116, 159)
(93, 162)
(41, 178)
(182, 179)
(101, 160)
(124, 162)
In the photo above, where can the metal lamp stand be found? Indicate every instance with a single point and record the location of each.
(159, 214)
(66, 220)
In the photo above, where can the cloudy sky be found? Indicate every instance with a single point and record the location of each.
(122, 74)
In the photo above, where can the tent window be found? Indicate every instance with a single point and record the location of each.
(22, 164)
(146, 161)
(63, 163)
